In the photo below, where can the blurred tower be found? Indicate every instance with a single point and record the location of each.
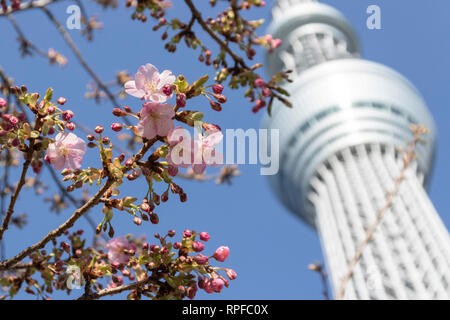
(339, 156)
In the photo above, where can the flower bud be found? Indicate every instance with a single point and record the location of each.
(119, 112)
(221, 98)
(187, 233)
(201, 259)
(204, 236)
(70, 126)
(51, 109)
(129, 162)
(137, 221)
(67, 115)
(145, 207)
(116, 127)
(215, 106)
(217, 88)
(171, 233)
(3, 102)
(61, 101)
(106, 141)
(197, 246)
(221, 253)
(231, 274)
(217, 284)
(90, 137)
(259, 83)
(154, 218)
(181, 100)
(98, 129)
(167, 90)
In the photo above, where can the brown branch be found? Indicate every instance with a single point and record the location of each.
(76, 215)
(113, 291)
(61, 229)
(29, 5)
(28, 157)
(410, 156)
(213, 35)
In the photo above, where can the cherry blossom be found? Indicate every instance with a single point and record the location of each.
(66, 152)
(221, 253)
(156, 120)
(148, 84)
(120, 249)
(197, 153)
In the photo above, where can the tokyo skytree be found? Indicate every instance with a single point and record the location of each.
(340, 155)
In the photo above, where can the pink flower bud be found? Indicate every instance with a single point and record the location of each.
(154, 218)
(3, 102)
(137, 221)
(116, 127)
(217, 284)
(171, 233)
(129, 162)
(181, 100)
(259, 83)
(204, 236)
(201, 259)
(70, 126)
(187, 233)
(67, 115)
(61, 100)
(167, 90)
(191, 291)
(98, 129)
(221, 253)
(145, 207)
(51, 110)
(197, 246)
(173, 170)
(177, 245)
(21, 116)
(119, 112)
(266, 92)
(13, 120)
(217, 88)
(231, 274)
(215, 106)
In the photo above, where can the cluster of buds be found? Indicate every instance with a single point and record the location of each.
(157, 8)
(15, 5)
(229, 26)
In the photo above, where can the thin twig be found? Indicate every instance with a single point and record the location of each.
(29, 5)
(61, 229)
(80, 58)
(28, 157)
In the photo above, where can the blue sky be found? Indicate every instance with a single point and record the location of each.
(270, 247)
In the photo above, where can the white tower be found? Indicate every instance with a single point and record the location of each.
(339, 158)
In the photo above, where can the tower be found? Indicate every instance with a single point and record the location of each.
(340, 155)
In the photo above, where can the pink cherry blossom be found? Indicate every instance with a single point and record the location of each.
(221, 253)
(119, 250)
(66, 152)
(156, 120)
(185, 152)
(217, 284)
(148, 84)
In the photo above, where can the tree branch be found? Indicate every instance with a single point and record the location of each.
(29, 5)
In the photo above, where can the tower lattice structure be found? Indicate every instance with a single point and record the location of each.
(340, 154)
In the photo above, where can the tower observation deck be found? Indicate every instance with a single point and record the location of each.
(340, 155)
